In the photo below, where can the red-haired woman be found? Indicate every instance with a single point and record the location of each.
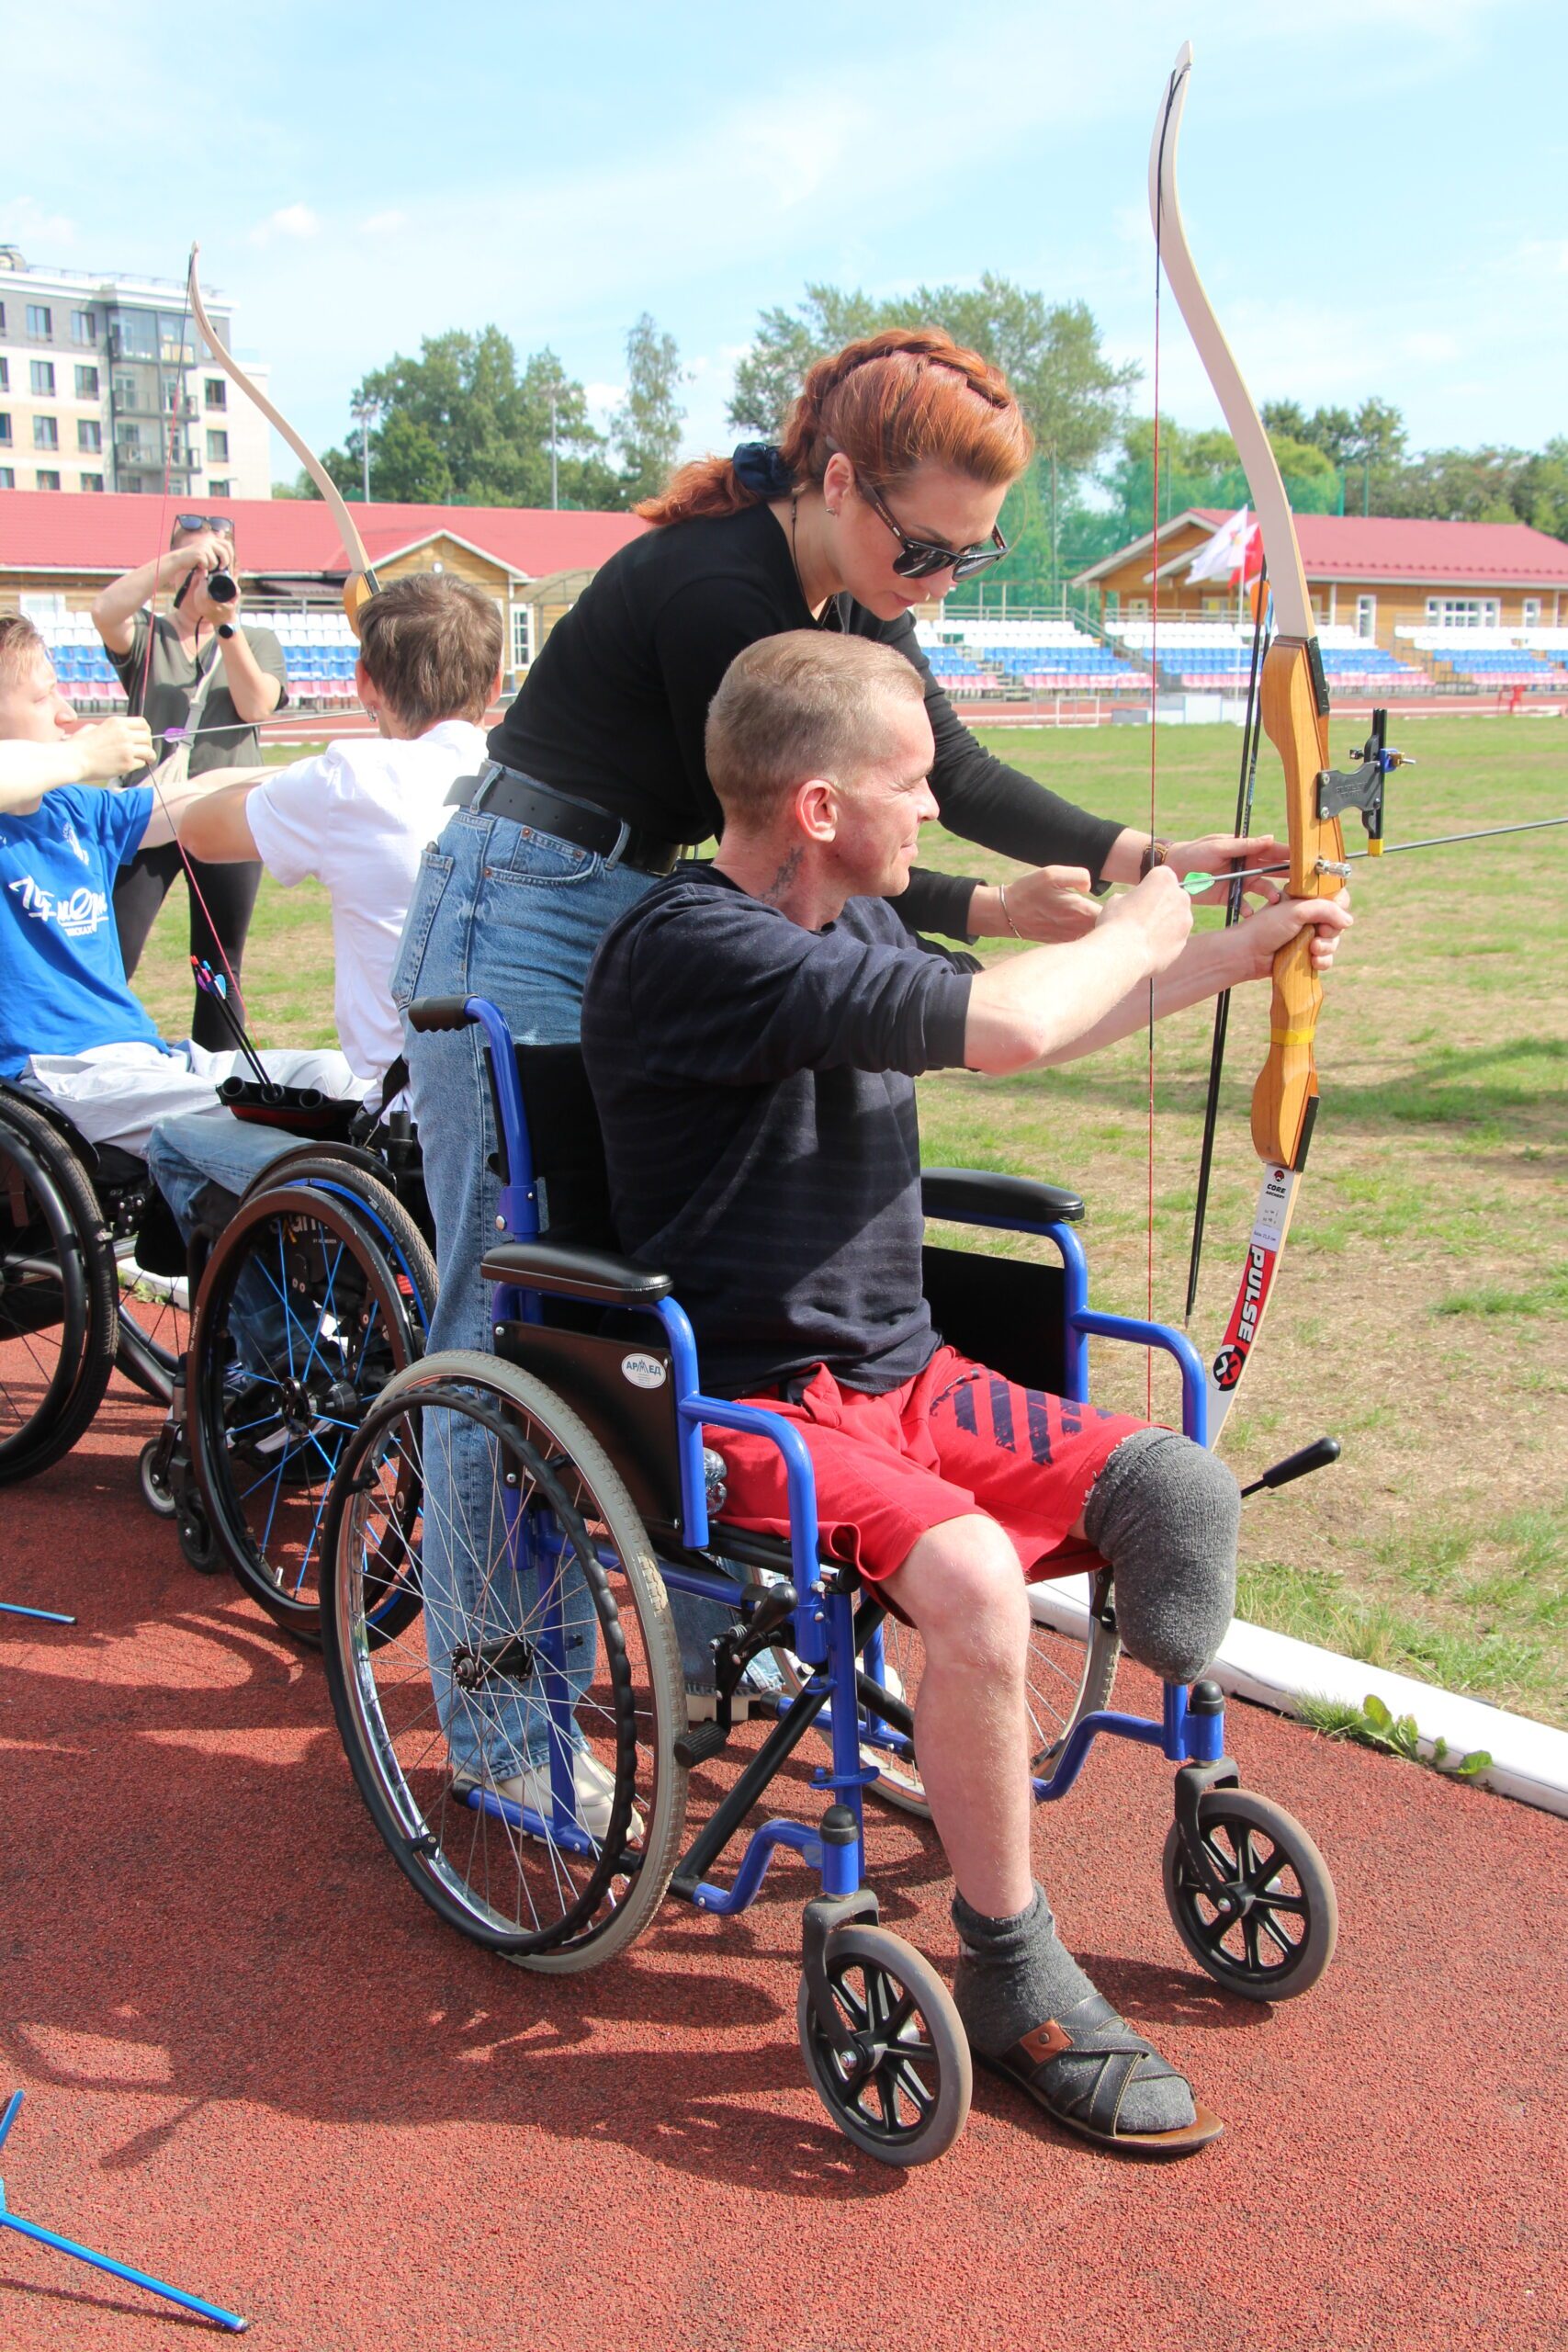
(884, 491)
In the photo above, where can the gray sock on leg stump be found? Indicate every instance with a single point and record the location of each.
(1014, 1973)
(1164, 1515)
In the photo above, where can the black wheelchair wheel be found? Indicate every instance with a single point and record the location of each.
(299, 1321)
(1069, 1674)
(904, 2094)
(152, 1478)
(557, 1631)
(1275, 1934)
(154, 1326)
(407, 1250)
(58, 1315)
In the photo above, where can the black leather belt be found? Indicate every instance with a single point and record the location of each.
(507, 792)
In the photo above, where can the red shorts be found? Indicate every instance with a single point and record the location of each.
(954, 1441)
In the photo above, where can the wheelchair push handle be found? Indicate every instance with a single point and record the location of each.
(427, 1013)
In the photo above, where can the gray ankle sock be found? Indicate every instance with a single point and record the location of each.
(1164, 1515)
(1014, 1973)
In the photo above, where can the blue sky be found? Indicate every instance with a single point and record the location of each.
(1373, 189)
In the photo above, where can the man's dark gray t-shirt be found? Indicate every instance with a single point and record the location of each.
(755, 1083)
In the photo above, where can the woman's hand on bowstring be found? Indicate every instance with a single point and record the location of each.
(1048, 903)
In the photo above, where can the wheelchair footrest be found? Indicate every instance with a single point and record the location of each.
(702, 1741)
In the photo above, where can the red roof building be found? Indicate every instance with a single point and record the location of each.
(533, 560)
(1374, 572)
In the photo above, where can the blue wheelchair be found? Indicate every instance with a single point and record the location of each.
(525, 1603)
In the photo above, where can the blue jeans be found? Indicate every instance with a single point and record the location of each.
(504, 911)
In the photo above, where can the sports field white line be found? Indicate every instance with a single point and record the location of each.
(1529, 1760)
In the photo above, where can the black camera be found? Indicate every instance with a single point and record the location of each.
(221, 587)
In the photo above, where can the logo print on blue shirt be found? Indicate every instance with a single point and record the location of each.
(78, 916)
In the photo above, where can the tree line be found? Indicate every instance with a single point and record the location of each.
(468, 423)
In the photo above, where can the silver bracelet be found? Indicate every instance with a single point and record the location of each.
(1002, 898)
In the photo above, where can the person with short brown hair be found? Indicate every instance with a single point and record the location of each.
(355, 817)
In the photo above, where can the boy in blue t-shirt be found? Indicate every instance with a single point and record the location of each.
(70, 1027)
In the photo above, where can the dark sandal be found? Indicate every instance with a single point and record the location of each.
(1091, 2106)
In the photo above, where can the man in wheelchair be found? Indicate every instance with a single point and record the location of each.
(752, 1031)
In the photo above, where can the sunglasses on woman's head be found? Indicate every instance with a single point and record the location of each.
(918, 559)
(203, 523)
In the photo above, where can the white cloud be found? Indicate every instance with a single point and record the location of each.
(296, 222)
(383, 224)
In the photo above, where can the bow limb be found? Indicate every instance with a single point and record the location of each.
(361, 583)
(1294, 702)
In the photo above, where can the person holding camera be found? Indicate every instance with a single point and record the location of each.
(193, 667)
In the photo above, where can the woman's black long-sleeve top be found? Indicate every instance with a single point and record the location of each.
(612, 710)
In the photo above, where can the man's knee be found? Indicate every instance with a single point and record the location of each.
(962, 1588)
(1165, 1514)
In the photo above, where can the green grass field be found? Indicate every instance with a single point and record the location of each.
(1420, 1315)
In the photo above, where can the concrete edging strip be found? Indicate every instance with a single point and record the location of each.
(1529, 1760)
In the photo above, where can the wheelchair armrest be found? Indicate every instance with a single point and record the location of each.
(562, 1271)
(977, 1196)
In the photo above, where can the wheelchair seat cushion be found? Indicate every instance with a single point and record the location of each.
(957, 1440)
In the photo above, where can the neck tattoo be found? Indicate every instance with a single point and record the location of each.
(779, 888)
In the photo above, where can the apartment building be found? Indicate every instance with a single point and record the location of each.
(105, 385)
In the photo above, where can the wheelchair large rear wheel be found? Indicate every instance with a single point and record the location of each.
(154, 1325)
(536, 1804)
(1071, 1675)
(58, 1315)
(408, 1252)
(301, 1319)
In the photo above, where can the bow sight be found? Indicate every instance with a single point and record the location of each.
(1362, 788)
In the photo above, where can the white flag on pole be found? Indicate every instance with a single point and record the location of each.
(1224, 556)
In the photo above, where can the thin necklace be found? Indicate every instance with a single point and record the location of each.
(818, 620)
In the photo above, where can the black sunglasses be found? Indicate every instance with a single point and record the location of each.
(203, 523)
(918, 559)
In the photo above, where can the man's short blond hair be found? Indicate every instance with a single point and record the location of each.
(798, 706)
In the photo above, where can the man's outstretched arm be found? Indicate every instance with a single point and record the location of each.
(222, 837)
(1058, 1003)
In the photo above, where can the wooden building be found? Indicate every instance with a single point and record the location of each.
(287, 552)
(1375, 574)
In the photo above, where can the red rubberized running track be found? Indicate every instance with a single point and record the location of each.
(257, 2065)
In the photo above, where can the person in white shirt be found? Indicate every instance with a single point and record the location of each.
(356, 818)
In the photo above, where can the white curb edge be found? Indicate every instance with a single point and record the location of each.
(1529, 1760)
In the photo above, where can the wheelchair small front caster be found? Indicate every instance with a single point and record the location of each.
(152, 1473)
(902, 2092)
(1268, 1931)
(196, 1540)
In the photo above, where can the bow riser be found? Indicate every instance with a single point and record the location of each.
(1295, 719)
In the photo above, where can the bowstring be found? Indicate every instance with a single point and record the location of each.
(1246, 786)
(1153, 739)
